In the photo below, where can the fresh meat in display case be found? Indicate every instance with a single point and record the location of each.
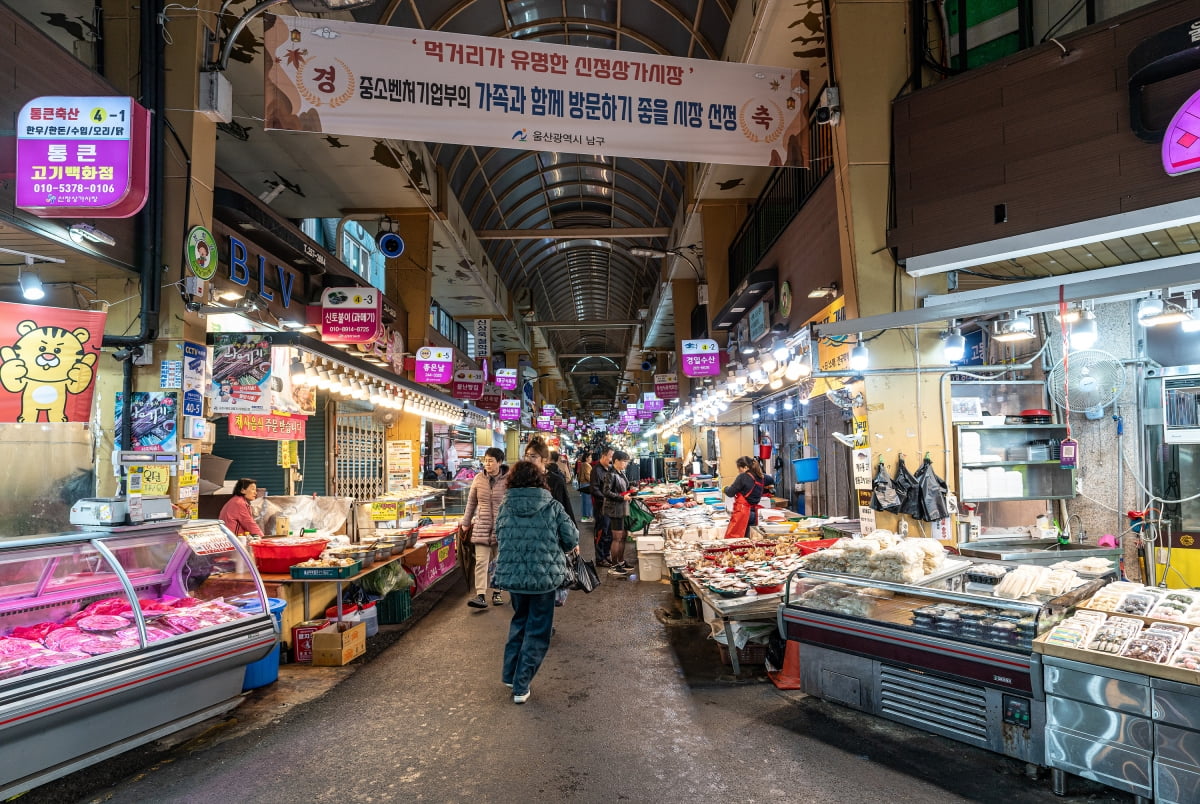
(112, 638)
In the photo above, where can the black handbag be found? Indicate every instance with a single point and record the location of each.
(583, 572)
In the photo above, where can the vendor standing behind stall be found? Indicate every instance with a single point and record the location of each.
(746, 491)
(236, 513)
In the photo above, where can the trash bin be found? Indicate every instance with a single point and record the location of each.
(266, 670)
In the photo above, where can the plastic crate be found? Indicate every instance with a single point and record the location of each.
(325, 573)
(751, 654)
(395, 608)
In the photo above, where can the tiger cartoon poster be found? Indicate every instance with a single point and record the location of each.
(48, 362)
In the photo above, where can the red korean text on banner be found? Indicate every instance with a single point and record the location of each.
(267, 426)
(48, 361)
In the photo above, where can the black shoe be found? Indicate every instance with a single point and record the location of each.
(604, 563)
(618, 570)
(497, 600)
(477, 602)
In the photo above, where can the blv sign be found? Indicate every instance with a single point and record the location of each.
(253, 272)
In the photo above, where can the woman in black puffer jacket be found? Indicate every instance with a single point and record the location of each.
(534, 532)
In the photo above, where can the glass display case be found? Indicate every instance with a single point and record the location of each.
(949, 662)
(110, 638)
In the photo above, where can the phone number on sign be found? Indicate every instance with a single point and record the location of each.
(74, 188)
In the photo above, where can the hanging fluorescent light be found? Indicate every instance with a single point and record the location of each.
(787, 404)
(30, 282)
(1015, 327)
(954, 345)
(860, 356)
(1156, 311)
(796, 369)
(771, 410)
(1084, 332)
(1149, 308)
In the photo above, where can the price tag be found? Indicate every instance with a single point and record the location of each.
(385, 511)
(155, 480)
(207, 542)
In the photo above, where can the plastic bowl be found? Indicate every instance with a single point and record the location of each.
(768, 590)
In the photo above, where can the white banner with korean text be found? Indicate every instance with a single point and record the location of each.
(333, 77)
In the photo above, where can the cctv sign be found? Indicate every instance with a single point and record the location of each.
(83, 156)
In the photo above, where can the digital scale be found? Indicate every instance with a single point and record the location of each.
(107, 512)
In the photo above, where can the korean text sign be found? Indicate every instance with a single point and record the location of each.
(468, 384)
(270, 427)
(48, 360)
(82, 156)
(701, 358)
(506, 379)
(666, 386)
(510, 409)
(337, 77)
(435, 365)
(351, 315)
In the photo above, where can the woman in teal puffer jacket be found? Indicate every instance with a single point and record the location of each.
(534, 533)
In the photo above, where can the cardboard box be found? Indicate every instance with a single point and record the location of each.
(416, 556)
(339, 644)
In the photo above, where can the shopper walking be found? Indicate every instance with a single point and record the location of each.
(746, 491)
(534, 532)
(483, 502)
(583, 478)
(538, 453)
(600, 469)
(616, 493)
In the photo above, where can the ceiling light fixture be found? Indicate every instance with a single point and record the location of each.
(826, 292)
(83, 233)
(1084, 332)
(860, 355)
(30, 282)
(954, 345)
(1013, 327)
(1156, 311)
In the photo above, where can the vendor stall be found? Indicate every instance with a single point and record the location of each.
(115, 637)
(946, 648)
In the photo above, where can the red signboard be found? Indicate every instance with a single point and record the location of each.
(267, 426)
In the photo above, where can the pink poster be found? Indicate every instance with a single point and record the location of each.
(435, 364)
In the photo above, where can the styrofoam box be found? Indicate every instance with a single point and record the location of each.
(650, 543)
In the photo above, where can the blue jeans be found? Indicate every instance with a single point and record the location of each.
(528, 638)
(585, 504)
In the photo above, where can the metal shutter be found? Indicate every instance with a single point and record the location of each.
(256, 458)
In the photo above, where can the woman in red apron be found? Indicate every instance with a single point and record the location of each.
(746, 490)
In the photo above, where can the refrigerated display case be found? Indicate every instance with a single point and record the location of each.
(948, 662)
(112, 638)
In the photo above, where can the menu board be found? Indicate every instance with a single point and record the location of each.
(399, 460)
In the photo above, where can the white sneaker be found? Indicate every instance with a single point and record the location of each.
(520, 699)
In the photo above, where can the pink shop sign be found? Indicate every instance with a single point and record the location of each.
(351, 315)
(510, 409)
(666, 386)
(701, 358)
(1181, 145)
(435, 364)
(506, 379)
(468, 384)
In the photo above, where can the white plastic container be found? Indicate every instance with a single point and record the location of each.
(650, 565)
(653, 544)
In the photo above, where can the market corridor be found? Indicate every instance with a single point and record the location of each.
(624, 708)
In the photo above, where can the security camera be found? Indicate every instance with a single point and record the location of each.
(829, 107)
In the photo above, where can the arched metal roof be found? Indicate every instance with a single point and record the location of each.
(583, 279)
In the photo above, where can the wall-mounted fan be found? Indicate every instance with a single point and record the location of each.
(1086, 382)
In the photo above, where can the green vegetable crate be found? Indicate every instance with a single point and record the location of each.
(325, 573)
(394, 608)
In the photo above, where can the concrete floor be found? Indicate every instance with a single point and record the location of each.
(629, 705)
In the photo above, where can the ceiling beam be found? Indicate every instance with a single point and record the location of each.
(579, 233)
(597, 324)
(583, 355)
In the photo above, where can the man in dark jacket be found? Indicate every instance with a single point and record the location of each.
(600, 469)
(534, 533)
